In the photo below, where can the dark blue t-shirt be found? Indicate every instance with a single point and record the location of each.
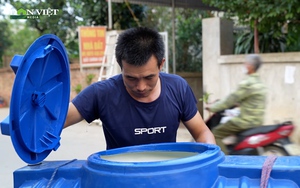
(127, 122)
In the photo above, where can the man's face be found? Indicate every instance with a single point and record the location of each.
(248, 68)
(141, 81)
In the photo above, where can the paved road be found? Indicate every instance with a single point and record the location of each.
(78, 141)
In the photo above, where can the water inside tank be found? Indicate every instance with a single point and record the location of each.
(147, 156)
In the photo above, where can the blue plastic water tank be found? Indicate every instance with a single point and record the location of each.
(204, 168)
(199, 167)
(175, 165)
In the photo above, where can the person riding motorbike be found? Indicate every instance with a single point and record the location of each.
(250, 96)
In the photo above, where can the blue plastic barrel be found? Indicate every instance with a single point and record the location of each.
(198, 167)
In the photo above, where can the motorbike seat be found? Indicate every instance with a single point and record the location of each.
(262, 129)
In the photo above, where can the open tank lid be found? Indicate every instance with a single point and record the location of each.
(39, 99)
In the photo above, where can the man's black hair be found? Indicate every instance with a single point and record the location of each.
(137, 45)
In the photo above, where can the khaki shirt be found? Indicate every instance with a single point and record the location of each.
(251, 98)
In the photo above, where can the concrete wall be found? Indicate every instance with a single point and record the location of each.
(222, 72)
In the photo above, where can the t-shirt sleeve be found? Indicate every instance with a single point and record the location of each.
(189, 104)
(86, 104)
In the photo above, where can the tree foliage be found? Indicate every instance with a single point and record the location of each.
(63, 24)
(160, 19)
(76, 13)
(21, 38)
(89, 12)
(271, 15)
(188, 34)
(268, 42)
(189, 40)
(96, 13)
(4, 39)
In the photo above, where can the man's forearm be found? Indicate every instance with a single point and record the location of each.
(206, 137)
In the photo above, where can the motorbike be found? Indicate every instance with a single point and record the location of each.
(262, 140)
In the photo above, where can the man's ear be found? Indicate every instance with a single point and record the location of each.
(162, 64)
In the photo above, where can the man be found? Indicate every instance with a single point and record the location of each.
(250, 97)
(141, 105)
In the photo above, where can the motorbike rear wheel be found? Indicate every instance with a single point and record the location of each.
(274, 150)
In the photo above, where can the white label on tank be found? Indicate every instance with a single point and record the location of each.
(148, 156)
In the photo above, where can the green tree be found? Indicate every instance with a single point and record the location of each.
(262, 16)
(76, 13)
(268, 42)
(4, 39)
(293, 34)
(21, 38)
(124, 15)
(64, 24)
(188, 33)
(189, 40)
(160, 19)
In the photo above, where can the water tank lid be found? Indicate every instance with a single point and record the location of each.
(39, 99)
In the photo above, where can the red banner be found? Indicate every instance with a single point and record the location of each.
(92, 45)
